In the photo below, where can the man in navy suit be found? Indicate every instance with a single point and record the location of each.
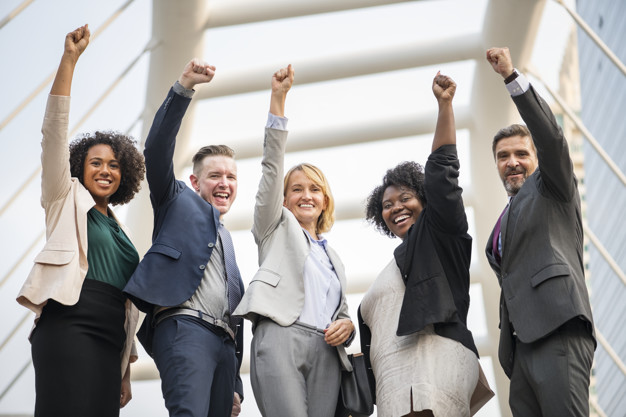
(536, 250)
(188, 282)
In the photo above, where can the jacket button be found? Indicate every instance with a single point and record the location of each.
(211, 244)
(202, 266)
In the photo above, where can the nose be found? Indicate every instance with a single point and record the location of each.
(512, 161)
(397, 206)
(105, 169)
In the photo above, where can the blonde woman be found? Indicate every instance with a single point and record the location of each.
(296, 300)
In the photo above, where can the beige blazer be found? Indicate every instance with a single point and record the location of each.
(277, 289)
(61, 266)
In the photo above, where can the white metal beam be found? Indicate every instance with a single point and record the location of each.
(357, 63)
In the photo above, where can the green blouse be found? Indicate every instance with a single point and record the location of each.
(111, 256)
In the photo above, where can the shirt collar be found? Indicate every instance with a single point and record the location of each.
(321, 242)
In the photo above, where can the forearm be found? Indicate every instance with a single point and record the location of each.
(445, 130)
(62, 84)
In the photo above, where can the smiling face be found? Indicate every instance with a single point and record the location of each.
(401, 208)
(516, 160)
(305, 199)
(101, 174)
(216, 181)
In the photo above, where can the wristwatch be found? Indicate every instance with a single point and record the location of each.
(511, 77)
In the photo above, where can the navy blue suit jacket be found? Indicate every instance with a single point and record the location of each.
(185, 229)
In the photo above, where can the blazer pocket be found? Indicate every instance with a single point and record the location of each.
(55, 257)
(267, 276)
(548, 272)
(165, 250)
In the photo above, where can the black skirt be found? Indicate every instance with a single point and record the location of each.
(77, 354)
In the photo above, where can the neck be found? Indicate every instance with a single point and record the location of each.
(103, 209)
(311, 229)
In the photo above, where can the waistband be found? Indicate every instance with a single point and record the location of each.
(181, 311)
(309, 328)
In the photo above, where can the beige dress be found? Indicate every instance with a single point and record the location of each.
(440, 372)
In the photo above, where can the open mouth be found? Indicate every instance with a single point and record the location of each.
(401, 218)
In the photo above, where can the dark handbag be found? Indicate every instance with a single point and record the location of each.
(355, 395)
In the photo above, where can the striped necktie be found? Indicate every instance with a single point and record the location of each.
(232, 275)
(496, 235)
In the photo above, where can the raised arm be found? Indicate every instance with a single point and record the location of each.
(269, 197)
(75, 44)
(161, 140)
(55, 156)
(445, 131)
(442, 169)
(557, 171)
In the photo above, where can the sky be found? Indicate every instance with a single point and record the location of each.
(31, 46)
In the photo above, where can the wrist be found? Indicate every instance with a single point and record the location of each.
(512, 75)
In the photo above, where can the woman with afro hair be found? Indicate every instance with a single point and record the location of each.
(82, 342)
(413, 318)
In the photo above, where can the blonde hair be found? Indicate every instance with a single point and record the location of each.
(327, 218)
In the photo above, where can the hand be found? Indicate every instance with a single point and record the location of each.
(500, 60)
(126, 394)
(196, 72)
(281, 83)
(76, 42)
(236, 406)
(282, 80)
(444, 88)
(338, 332)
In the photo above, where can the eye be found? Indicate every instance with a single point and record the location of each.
(115, 165)
(386, 206)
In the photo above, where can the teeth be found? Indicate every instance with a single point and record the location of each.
(103, 182)
(400, 218)
(306, 205)
(221, 195)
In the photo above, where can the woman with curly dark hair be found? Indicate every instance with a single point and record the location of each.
(82, 344)
(413, 319)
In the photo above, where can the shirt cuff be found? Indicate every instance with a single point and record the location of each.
(182, 91)
(276, 122)
(518, 86)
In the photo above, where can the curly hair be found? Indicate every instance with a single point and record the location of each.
(405, 174)
(132, 167)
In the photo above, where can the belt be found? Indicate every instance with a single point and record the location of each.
(181, 311)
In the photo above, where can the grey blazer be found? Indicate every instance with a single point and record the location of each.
(277, 289)
(541, 272)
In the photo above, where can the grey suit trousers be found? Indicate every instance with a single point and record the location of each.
(293, 372)
(550, 377)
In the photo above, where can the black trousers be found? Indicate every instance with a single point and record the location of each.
(551, 376)
(76, 354)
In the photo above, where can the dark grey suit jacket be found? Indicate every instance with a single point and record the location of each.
(541, 272)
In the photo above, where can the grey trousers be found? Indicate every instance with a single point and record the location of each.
(293, 372)
(551, 376)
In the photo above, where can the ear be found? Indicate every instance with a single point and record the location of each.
(285, 202)
(194, 182)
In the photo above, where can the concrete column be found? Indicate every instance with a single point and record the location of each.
(178, 27)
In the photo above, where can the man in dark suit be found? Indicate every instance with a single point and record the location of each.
(536, 250)
(188, 282)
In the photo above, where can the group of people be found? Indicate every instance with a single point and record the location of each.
(88, 283)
